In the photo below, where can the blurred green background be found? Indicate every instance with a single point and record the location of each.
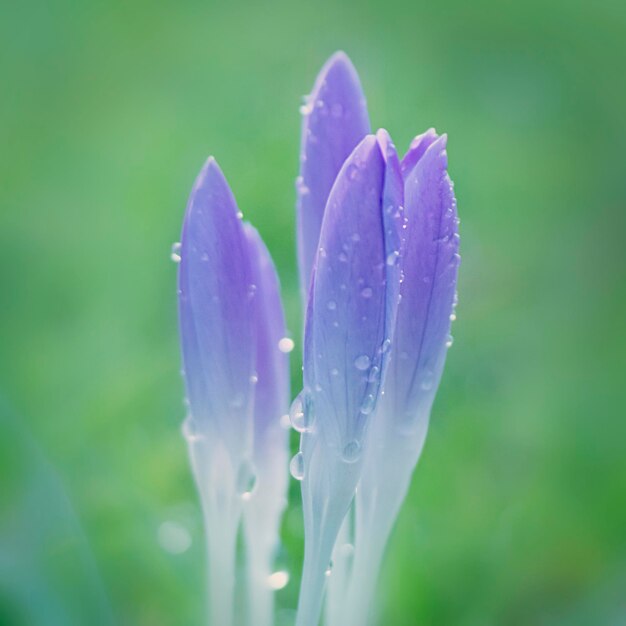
(517, 513)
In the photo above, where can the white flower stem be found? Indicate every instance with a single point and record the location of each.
(340, 576)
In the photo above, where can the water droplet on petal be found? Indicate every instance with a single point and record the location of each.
(286, 345)
(450, 341)
(362, 362)
(346, 550)
(300, 414)
(368, 404)
(385, 345)
(240, 215)
(372, 377)
(246, 480)
(329, 569)
(351, 451)
(296, 466)
(427, 384)
(367, 292)
(453, 317)
(334, 371)
(331, 305)
(392, 257)
(190, 430)
(175, 253)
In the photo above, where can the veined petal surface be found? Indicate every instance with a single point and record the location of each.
(429, 267)
(344, 354)
(216, 312)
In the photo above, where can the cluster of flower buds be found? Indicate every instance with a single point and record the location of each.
(378, 257)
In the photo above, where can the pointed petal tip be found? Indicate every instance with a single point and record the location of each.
(341, 60)
(209, 174)
(367, 149)
(338, 69)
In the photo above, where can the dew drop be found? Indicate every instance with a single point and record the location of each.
(385, 345)
(453, 317)
(343, 257)
(296, 466)
(329, 569)
(450, 341)
(346, 550)
(334, 371)
(353, 172)
(239, 215)
(254, 379)
(368, 404)
(286, 345)
(306, 109)
(351, 451)
(246, 480)
(392, 257)
(362, 362)
(175, 253)
(331, 305)
(299, 415)
(190, 430)
(367, 292)
(372, 377)
(302, 189)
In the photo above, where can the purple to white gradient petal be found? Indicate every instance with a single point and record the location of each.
(345, 332)
(266, 501)
(216, 311)
(429, 265)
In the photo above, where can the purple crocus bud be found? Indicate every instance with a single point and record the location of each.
(265, 502)
(346, 343)
(334, 121)
(231, 323)
(429, 265)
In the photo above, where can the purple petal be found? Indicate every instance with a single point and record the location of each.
(349, 297)
(394, 223)
(272, 364)
(216, 311)
(345, 329)
(264, 505)
(430, 263)
(334, 120)
(416, 150)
